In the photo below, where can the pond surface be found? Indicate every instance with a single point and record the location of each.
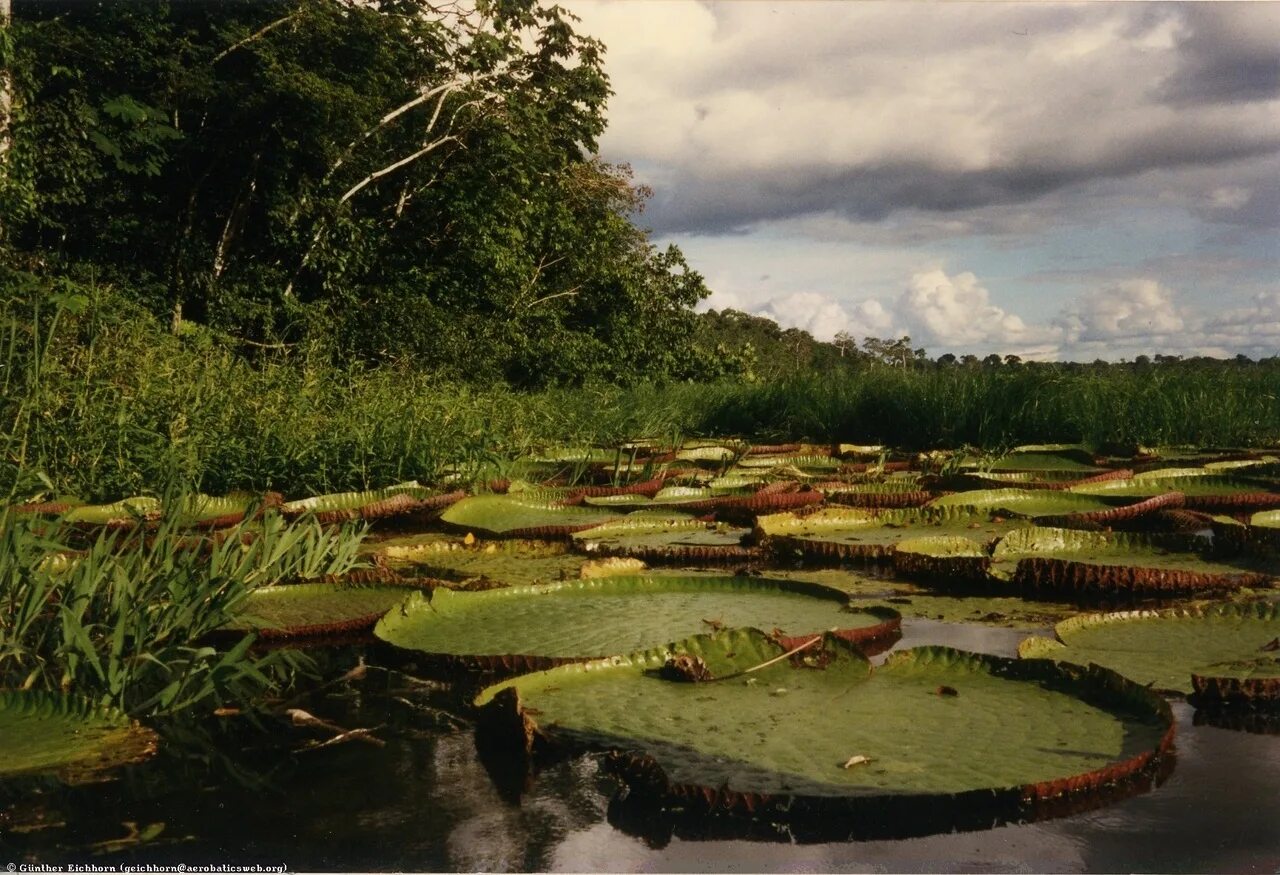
(425, 801)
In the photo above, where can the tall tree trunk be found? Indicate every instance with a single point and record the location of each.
(6, 88)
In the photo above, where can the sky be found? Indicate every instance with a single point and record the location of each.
(1057, 181)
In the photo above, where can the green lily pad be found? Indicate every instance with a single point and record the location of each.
(577, 455)
(708, 454)
(534, 627)
(42, 733)
(1253, 682)
(1021, 502)
(840, 534)
(666, 537)
(932, 724)
(403, 498)
(1161, 648)
(1076, 465)
(804, 463)
(523, 516)
(512, 562)
(917, 601)
(888, 492)
(1039, 558)
(315, 609)
(127, 511)
(1207, 491)
(947, 559)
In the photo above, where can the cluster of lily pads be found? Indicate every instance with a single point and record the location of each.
(710, 615)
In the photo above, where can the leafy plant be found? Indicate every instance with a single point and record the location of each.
(124, 623)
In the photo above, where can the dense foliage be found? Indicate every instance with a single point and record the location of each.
(391, 179)
(326, 244)
(70, 621)
(99, 400)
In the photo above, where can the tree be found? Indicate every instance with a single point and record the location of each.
(395, 178)
(893, 352)
(844, 342)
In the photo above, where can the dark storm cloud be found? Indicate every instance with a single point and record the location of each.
(711, 204)
(969, 107)
(1230, 53)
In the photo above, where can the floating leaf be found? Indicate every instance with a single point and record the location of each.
(315, 609)
(508, 561)
(1021, 502)
(1015, 732)
(838, 534)
(666, 537)
(1046, 559)
(942, 558)
(522, 516)
(42, 733)
(531, 627)
(127, 511)
(403, 498)
(1161, 648)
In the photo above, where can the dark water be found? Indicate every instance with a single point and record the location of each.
(425, 802)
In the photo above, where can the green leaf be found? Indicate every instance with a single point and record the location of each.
(931, 722)
(587, 618)
(1162, 648)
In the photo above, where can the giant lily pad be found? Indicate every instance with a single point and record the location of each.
(1164, 648)
(891, 492)
(403, 498)
(666, 537)
(125, 512)
(1207, 492)
(1253, 682)
(523, 516)
(1021, 502)
(839, 534)
(509, 562)
(41, 733)
(305, 610)
(824, 731)
(947, 559)
(1046, 559)
(535, 627)
(804, 463)
(1057, 462)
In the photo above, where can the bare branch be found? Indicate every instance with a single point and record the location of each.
(392, 168)
(256, 35)
(570, 293)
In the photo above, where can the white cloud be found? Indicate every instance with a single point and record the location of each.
(1253, 330)
(824, 317)
(954, 313)
(1133, 310)
(949, 311)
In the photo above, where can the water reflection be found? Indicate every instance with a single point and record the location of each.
(425, 802)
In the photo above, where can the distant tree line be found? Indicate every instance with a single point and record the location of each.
(759, 348)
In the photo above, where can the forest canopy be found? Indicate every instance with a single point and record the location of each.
(386, 179)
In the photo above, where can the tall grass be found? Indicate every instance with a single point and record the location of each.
(101, 403)
(125, 622)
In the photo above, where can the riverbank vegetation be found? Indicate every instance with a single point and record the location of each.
(101, 401)
(307, 245)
